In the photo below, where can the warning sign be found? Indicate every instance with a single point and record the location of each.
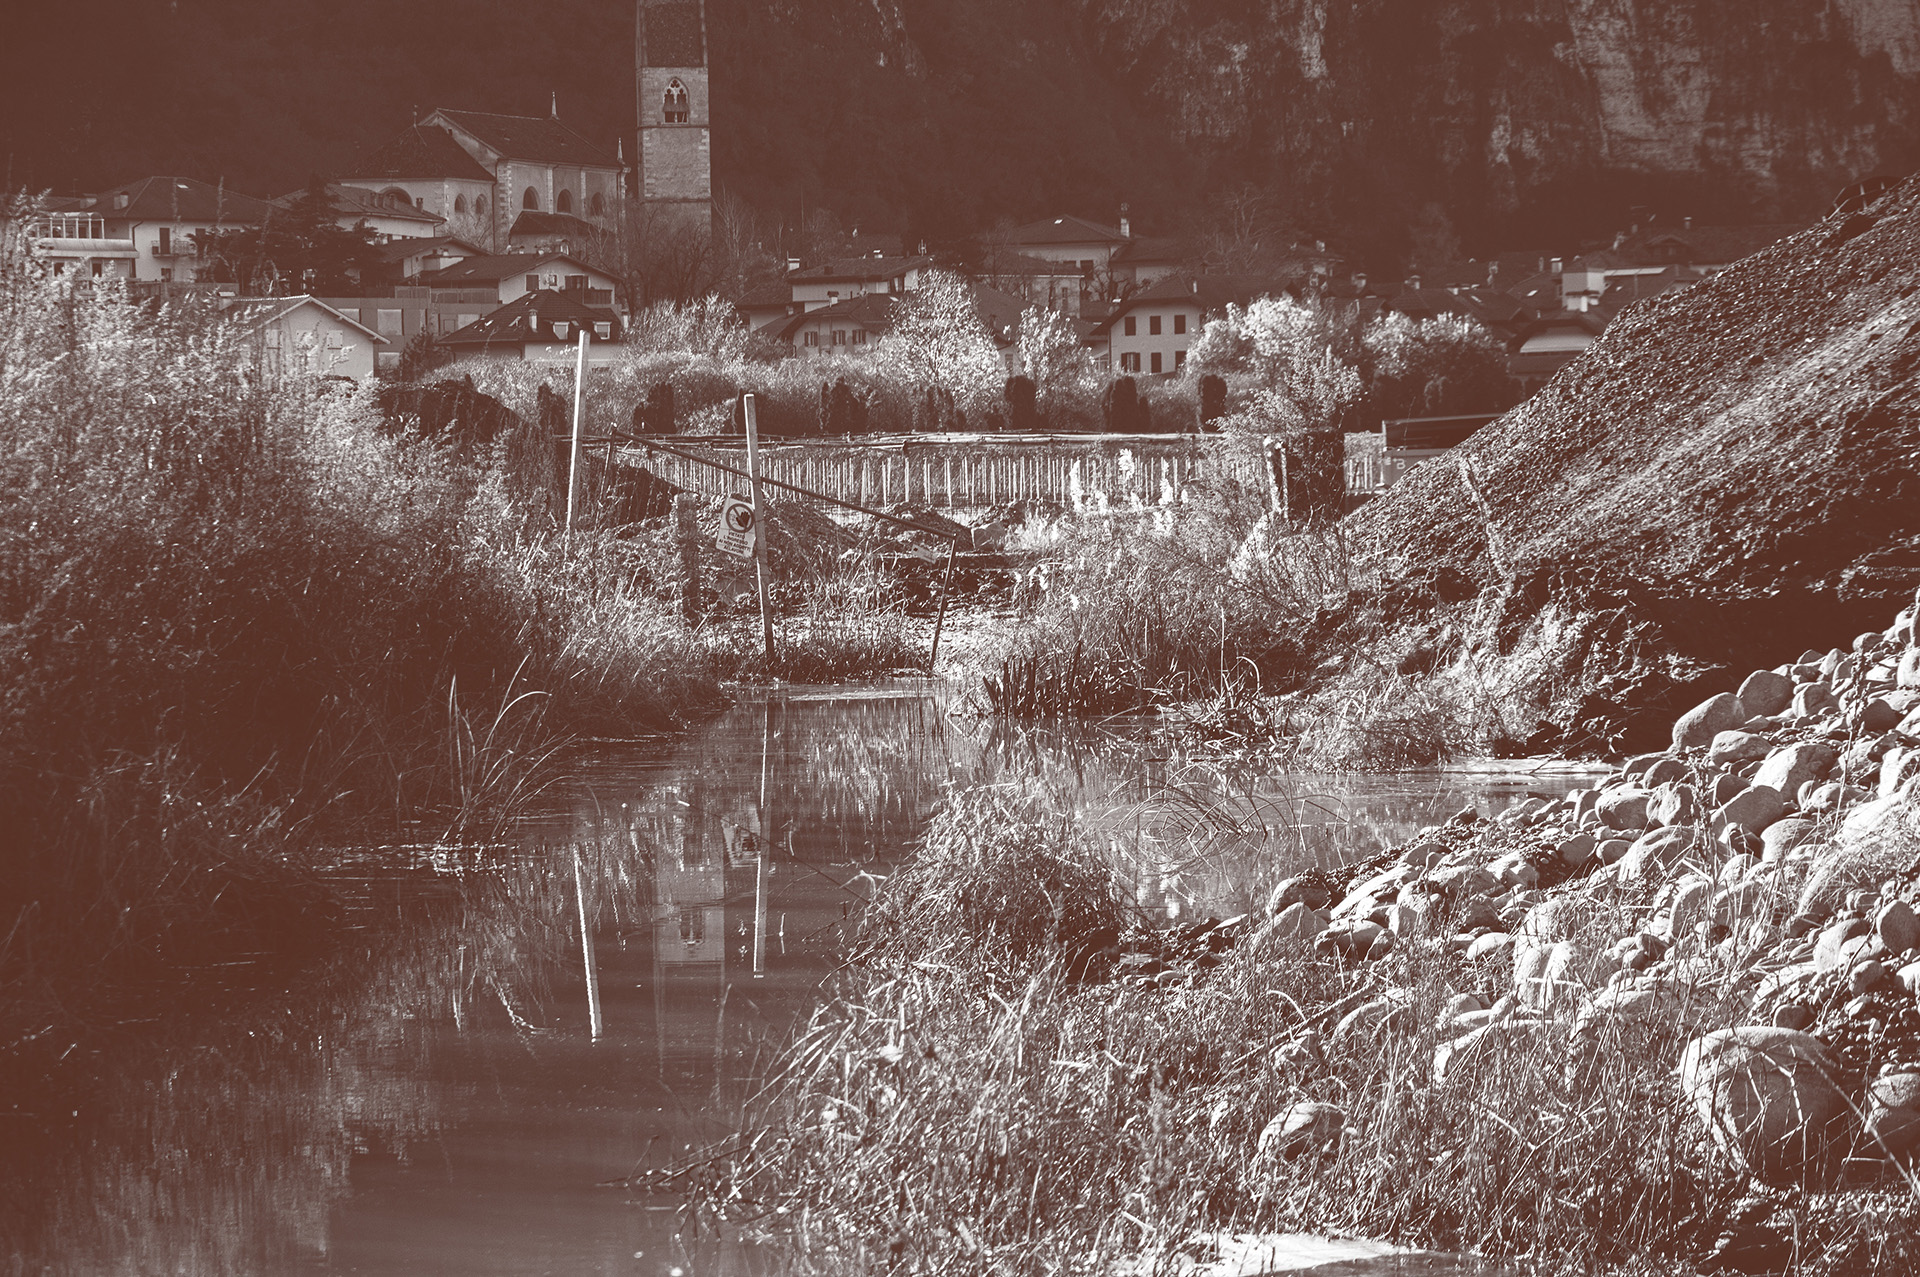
(736, 528)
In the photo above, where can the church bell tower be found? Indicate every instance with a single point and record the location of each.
(674, 164)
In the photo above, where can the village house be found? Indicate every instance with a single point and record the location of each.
(835, 281)
(482, 171)
(851, 327)
(539, 327)
(1048, 285)
(1151, 331)
(406, 259)
(304, 336)
(842, 328)
(386, 217)
(497, 279)
(143, 230)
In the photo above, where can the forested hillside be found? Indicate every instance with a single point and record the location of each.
(1382, 124)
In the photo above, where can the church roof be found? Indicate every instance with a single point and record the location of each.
(425, 150)
(542, 140)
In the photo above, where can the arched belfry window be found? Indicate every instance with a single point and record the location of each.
(599, 205)
(460, 203)
(563, 202)
(531, 199)
(676, 103)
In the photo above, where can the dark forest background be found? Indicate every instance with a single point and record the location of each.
(1394, 128)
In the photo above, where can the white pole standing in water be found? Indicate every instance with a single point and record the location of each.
(573, 454)
(748, 410)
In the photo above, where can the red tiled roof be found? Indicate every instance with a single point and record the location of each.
(1064, 230)
(531, 317)
(179, 199)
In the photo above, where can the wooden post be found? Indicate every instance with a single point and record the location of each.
(759, 517)
(687, 532)
(573, 454)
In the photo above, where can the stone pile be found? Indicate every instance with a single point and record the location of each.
(1743, 903)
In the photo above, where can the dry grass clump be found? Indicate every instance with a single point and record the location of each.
(1169, 604)
(995, 882)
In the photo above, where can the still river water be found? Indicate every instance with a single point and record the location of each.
(452, 1094)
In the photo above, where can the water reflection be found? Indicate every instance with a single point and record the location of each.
(509, 1030)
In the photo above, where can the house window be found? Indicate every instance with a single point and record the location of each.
(165, 247)
(389, 323)
(1087, 264)
(603, 331)
(459, 203)
(598, 205)
(859, 336)
(531, 200)
(1133, 326)
(533, 283)
(1130, 361)
(839, 336)
(480, 205)
(1179, 358)
(1153, 325)
(166, 273)
(1179, 324)
(576, 282)
(676, 102)
(1156, 361)
(810, 339)
(99, 267)
(563, 202)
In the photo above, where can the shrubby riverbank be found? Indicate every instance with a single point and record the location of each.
(244, 620)
(1664, 1024)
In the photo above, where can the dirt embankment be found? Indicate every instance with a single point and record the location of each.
(1736, 463)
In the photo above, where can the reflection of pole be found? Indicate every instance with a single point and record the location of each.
(766, 844)
(760, 528)
(586, 949)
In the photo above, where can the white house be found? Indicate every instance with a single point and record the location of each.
(143, 230)
(539, 327)
(302, 336)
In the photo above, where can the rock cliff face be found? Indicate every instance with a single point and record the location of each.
(1490, 107)
(1494, 119)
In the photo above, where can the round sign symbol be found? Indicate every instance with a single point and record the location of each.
(739, 518)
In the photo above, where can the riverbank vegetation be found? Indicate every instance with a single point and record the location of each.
(1023, 1078)
(242, 619)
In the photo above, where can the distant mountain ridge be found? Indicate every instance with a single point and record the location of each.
(1394, 123)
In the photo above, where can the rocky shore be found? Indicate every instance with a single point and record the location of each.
(1743, 902)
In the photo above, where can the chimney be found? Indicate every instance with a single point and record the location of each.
(1126, 227)
(1493, 272)
(1686, 223)
(554, 109)
(1193, 286)
(1557, 266)
(1413, 282)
